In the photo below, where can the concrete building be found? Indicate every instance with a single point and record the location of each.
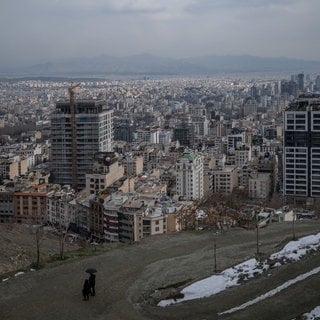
(260, 186)
(6, 205)
(244, 174)
(249, 107)
(123, 129)
(61, 209)
(243, 155)
(154, 222)
(225, 179)
(97, 218)
(83, 214)
(112, 204)
(301, 156)
(142, 135)
(106, 170)
(12, 166)
(30, 205)
(165, 137)
(208, 166)
(130, 216)
(133, 165)
(189, 179)
(301, 82)
(184, 133)
(75, 138)
(235, 140)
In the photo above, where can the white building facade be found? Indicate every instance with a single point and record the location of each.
(189, 179)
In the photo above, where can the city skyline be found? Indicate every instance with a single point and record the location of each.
(41, 31)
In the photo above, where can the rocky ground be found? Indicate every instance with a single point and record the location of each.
(131, 279)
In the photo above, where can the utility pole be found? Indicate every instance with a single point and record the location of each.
(215, 254)
(293, 226)
(258, 253)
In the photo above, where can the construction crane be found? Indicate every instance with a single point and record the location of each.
(74, 171)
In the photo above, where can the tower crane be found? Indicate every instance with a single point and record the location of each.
(74, 171)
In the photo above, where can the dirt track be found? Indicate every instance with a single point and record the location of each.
(128, 275)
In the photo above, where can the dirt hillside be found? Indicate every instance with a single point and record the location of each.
(18, 246)
(132, 278)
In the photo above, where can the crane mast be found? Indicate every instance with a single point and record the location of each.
(74, 171)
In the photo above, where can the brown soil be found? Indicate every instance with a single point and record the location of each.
(18, 247)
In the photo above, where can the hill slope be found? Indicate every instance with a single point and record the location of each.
(146, 64)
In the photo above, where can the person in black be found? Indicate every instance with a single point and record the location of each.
(86, 289)
(92, 281)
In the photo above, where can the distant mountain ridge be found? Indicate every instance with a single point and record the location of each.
(147, 64)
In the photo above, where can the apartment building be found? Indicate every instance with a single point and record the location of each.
(6, 205)
(12, 166)
(189, 178)
(30, 205)
(106, 170)
(130, 216)
(61, 209)
(260, 186)
(225, 179)
(301, 144)
(154, 222)
(112, 204)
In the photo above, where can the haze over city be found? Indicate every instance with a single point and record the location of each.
(38, 31)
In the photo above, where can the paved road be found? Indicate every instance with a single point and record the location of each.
(129, 274)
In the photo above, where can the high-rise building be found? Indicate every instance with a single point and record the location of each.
(123, 129)
(301, 82)
(189, 180)
(75, 138)
(184, 133)
(235, 140)
(301, 152)
(317, 84)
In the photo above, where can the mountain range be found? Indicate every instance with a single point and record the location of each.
(146, 64)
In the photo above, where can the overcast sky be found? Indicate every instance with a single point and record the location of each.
(37, 31)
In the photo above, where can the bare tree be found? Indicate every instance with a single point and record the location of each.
(186, 217)
(223, 209)
(62, 232)
(38, 233)
(39, 237)
(316, 207)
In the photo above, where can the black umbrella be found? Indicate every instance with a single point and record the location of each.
(91, 270)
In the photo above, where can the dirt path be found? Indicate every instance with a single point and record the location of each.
(128, 275)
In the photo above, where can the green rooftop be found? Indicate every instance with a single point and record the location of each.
(189, 154)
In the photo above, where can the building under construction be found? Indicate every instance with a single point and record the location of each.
(79, 129)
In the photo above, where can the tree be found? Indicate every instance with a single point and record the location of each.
(316, 207)
(186, 217)
(38, 232)
(39, 237)
(62, 232)
(222, 208)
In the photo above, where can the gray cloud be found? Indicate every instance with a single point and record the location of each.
(36, 31)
